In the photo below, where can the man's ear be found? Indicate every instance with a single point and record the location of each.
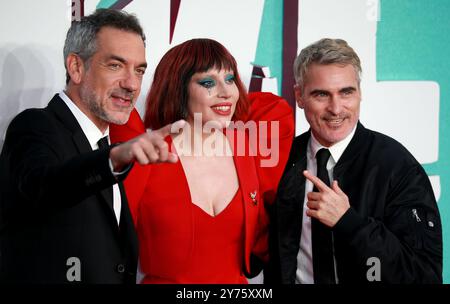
(75, 68)
(298, 96)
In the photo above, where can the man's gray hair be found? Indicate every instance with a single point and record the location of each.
(325, 51)
(81, 38)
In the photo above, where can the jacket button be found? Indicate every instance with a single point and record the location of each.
(120, 268)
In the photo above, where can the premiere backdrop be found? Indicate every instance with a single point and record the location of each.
(403, 45)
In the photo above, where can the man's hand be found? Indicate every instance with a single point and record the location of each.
(147, 148)
(329, 204)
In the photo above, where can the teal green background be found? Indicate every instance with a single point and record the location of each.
(269, 51)
(105, 3)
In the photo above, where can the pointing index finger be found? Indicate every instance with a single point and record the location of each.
(173, 128)
(316, 181)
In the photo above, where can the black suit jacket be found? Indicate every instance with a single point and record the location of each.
(54, 204)
(393, 214)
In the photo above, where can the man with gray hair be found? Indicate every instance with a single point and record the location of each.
(64, 217)
(353, 205)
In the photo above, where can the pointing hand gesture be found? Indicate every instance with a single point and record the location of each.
(147, 148)
(329, 204)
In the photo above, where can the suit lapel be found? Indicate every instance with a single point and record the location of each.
(292, 184)
(65, 116)
(289, 205)
(108, 197)
(126, 224)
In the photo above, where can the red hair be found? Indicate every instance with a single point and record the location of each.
(168, 97)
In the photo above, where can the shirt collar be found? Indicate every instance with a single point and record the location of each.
(336, 150)
(91, 131)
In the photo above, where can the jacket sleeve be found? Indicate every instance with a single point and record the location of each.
(41, 172)
(137, 178)
(408, 240)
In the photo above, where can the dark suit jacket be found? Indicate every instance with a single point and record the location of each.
(54, 204)
(393, 214)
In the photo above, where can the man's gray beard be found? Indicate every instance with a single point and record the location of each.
(93, 103)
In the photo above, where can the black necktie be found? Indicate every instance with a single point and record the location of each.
(103, 144)
(323, 260)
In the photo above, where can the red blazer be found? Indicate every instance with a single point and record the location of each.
(158, 194)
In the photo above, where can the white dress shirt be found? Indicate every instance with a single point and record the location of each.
(305, 273)
(93, 134)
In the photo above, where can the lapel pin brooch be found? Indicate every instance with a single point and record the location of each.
(253, 197)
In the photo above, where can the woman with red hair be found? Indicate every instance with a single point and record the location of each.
(203, 219)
